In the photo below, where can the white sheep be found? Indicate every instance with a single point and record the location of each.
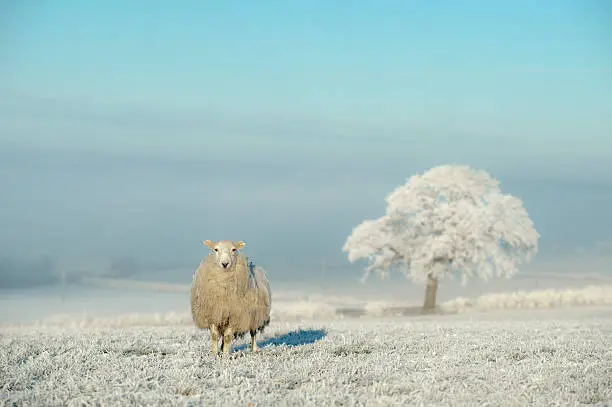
(229, 296)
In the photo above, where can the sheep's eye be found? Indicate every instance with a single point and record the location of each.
(216, 249)
(233, 249)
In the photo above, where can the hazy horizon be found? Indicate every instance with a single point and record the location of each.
(86, 210)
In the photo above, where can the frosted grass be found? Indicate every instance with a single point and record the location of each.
(518, 358)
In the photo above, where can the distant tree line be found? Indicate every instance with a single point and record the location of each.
(44, 271)
(22, 274)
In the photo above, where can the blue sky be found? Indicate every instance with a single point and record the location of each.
(316, 110)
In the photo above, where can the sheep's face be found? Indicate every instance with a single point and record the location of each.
(225, 252)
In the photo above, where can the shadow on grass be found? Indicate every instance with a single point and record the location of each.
(291, 339)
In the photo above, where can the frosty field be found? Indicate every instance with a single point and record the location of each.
(501, 358)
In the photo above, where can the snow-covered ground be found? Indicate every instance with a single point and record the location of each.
(121, 343)
(501, 358)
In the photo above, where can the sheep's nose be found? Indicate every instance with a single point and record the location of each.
(224, 264)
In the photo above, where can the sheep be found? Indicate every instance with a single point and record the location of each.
(229, 296)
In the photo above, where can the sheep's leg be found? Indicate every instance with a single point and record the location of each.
(254, 342)
(214, 337)
(227, 339)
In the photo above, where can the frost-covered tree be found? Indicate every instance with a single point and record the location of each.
(449, 220)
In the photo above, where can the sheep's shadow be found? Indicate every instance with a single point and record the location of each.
(291, 339)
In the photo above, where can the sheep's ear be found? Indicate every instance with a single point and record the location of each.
(239, 244)
(209, 243)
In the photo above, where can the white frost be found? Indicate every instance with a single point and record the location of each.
(539, 358)
(449, 220)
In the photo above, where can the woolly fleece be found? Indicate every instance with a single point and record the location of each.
(224, 298)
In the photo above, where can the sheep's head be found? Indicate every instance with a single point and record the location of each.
(225, 252)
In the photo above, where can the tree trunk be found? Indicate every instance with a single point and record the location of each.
(431, 290)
